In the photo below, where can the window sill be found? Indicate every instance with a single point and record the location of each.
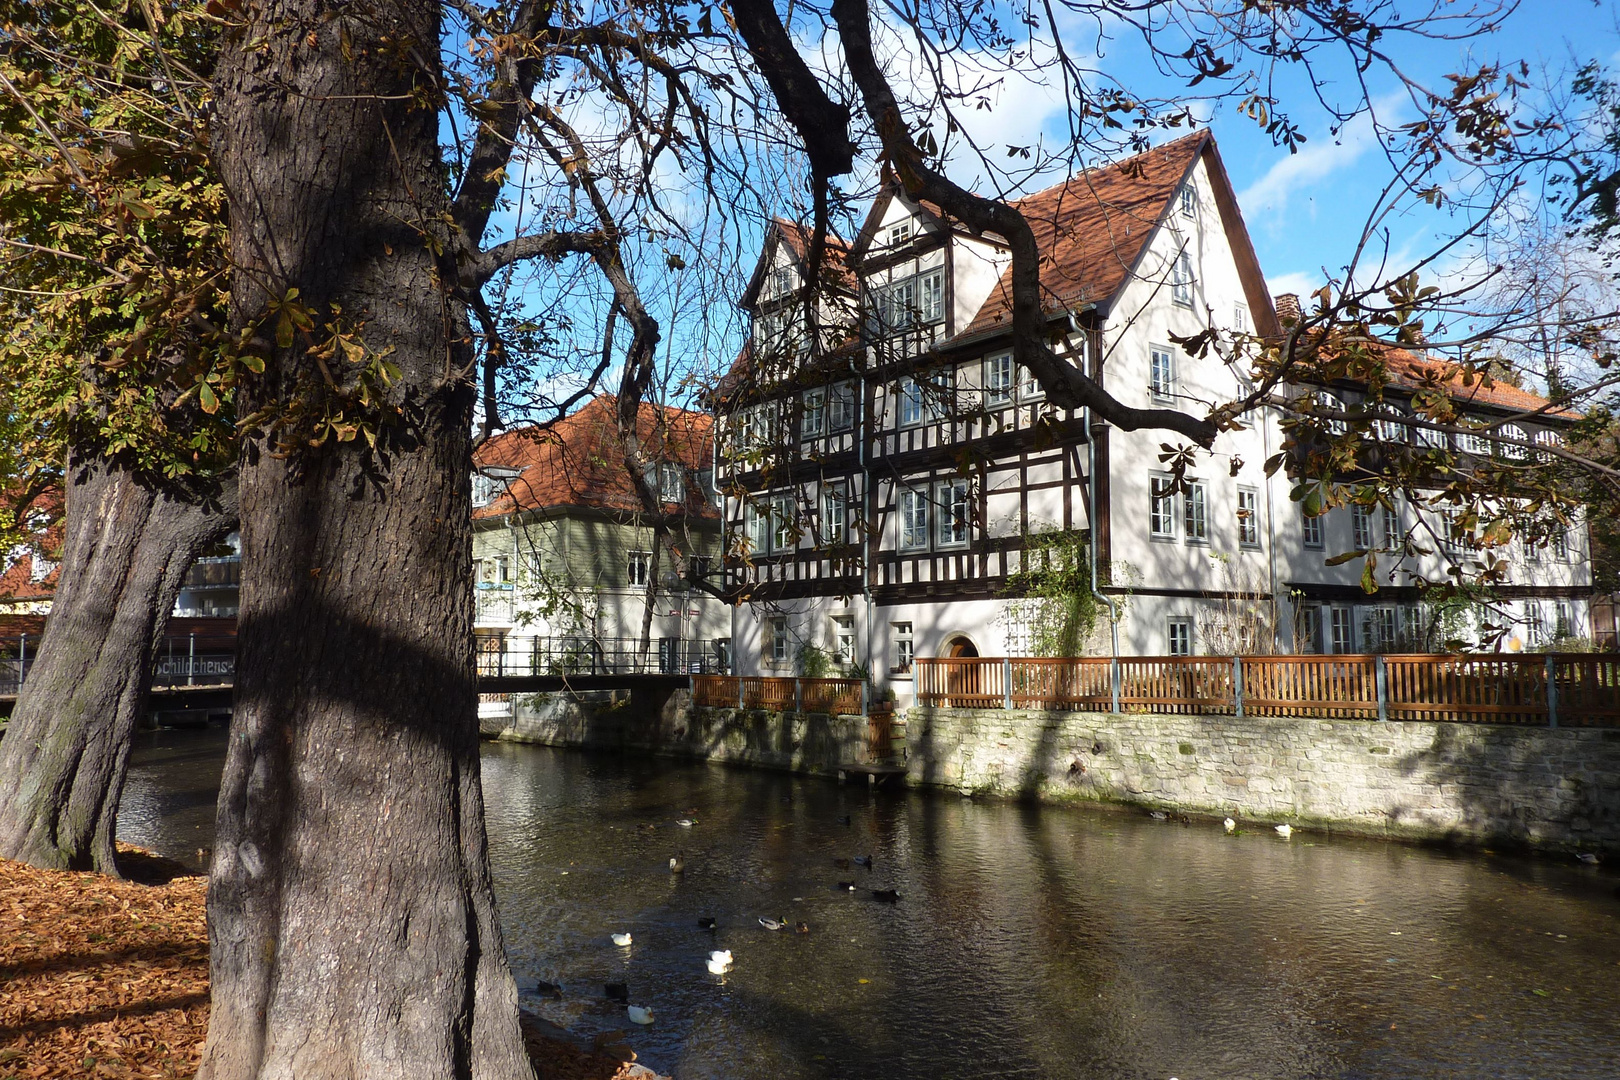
(1161, 538)
(1194, 542)
(1249, 545)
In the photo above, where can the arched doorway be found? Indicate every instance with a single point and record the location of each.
(961, 646)
(963, 681)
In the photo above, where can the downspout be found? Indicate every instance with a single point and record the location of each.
(1091, 529)
(866, 520)
(1271, 540)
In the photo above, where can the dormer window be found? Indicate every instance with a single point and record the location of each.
(1189, 202)
(667, 480)
(489, 484)
(917, 301)
(899, 234)
(784, 279)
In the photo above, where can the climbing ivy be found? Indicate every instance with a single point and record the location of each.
(1054, 601)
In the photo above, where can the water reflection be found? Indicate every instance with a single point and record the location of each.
(1038, 943)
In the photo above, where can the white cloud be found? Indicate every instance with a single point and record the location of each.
(1300, 285)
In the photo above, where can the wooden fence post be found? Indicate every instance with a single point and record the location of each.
(1381, 686)
(1552, 692)
(1113, 682)
(1006, 682)
(1237, 685)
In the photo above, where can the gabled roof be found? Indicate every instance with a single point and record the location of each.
(578, 462)
(1414, 372)
(796, 238)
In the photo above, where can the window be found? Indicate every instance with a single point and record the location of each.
(1361, 528)
(1240, 318)
(1458, 537)
(1378, 629)
(697, 567)
(1390, 428)
(1325, 402)
(913, 519)
(784, 279)
(954, 513)
(998, 380)
(667, 481)
(843, 627)
(1311, 529)
(833, 518)
(1179, 631)
(1473, 443)
(1310, 630)
(1343, 630)
(841, 407)
(1161, 508)
(813, 420)
(1514, 450)
(1547, 438)
(903, 647)
(917, 301)
(1181, 280)
(1029, 387)
(1535, 628)
(483, 489)
(1196, 511)
(640, 566)
(899, 233)
(503, 569)
(911, 402)
(777, 627)
(1559, 542)
(782, 513)
(759, 529)
(1563, 623)
(1248, 517)
(1394, 535)
(1189, 201)
(777, 331)
(1161, 373)
(923, 399)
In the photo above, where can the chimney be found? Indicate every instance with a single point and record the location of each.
(1287, 305)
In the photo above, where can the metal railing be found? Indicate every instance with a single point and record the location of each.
(182, 660)
(836, 697)
(1551, 689)
(510, 655)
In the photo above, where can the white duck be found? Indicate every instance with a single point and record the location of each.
(1229, 825)
(1285, 831)
(720, 961)
(639, 1015)
(621, 939)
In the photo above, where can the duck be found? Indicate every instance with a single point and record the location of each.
(720, 961)
(620, 940)
(848, 886)
(686, 822)
(842, 864)
(617, 992)
(639, 1014)
(801, 928)
(1229, 825)
(706, 923)
(845, 821)
(862, 860)
(1158, 815)
(773, 924)
(886, 896)
(677, 863)
(1285, 831)
(1588, 858)
(547, 990)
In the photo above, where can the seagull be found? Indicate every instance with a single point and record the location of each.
(720, 961)
(617, 992)
(1229, 825)
(706, 923)
(621, 939)
(639, 1015)
(1588, 858)
(1285, 831)
(849, 885)
(862, 860)
(773, 924)
(885, 896)
(677, 863)
(686, 822)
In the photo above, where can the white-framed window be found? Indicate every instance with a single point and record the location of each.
(1559, 543)
(1535, 627)
(1378, 629)
(913, 519)
(778, 330)
(777, 628)
(1310, 629)
(503, 569)
(483, 489)
(667, 480)
(1390, 428)
(1545, 437)
(912, 408)
(640, 565)
(1326, 402)
(784, 279)
(1458, 537)
(841, 407)
(1240, 318)
(954, 513)
(1195, 511)
(1310, 529)
(899, 233)
(1189, 201)
(1470, 442)
(834, 515)
(1161, 508)
(759, 527)
(924, 399)
(998, 380)
(1361, 528)
(1394, 534)
(1248, 516)
(813, 419)
(1342, 625)
(1181, 280)
(915, 301)
(1029, 387)
(1161, 373)
(843, 639)
(1563, 620)
(904, 647)
(1179, 635)
(782, 517)
(1514, 450)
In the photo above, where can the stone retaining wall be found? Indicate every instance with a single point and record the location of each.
(1476, 783)
(798, 742)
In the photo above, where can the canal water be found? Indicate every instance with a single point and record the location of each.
(1026, 942)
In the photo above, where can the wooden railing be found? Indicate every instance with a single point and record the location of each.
(1546, 689)
(831, 696)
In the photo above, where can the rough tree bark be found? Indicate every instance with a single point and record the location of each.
(127, 547)
(352, 921)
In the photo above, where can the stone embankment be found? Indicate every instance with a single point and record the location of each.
(1553, 788)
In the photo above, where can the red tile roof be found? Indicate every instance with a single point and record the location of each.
(18, 583)
(579, 461)
(1090, 228)
(797, 238)
(1415, 372)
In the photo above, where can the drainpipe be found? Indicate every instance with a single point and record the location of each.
(1091, 523)
(866, 518)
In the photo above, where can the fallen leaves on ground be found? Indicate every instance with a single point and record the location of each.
(108, 978)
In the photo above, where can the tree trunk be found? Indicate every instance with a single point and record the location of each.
(352, 921)
(127, 547)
